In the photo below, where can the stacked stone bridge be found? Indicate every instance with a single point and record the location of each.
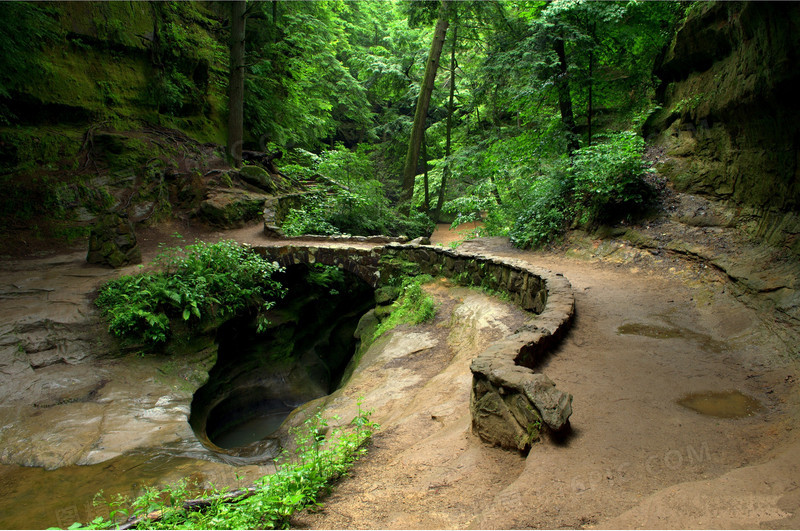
(511, 403)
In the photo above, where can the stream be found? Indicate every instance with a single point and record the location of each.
(237, 415)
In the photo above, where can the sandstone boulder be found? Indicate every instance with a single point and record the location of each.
(112, 242)
(231, 207)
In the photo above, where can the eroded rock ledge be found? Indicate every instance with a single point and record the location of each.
(511, 403)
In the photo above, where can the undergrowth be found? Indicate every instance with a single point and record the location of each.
(302, 477)
(194, 283)
(413, 306)
(354, 202)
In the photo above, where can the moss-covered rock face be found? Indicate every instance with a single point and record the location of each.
(108, 106)
(731, 120)
(231, 208)
(115, 63)
(112, 242)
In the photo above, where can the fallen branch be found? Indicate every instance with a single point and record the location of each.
(192, 505)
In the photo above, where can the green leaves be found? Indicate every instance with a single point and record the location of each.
(322, 455)
(602, 183)
(300, 88)
(199, 281)
(355, 202)
(608, 176)
(414, 306)
(546, 213)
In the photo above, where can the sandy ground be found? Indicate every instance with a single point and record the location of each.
(647, 333)
(635, 457)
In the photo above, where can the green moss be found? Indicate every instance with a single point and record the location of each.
(87, 79)
(117, 23)
(102, 69)
(27, 147)
(414, 306)
(393, 265)
(639, 239)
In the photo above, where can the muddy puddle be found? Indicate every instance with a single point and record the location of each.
(704, 341)
(722, 404)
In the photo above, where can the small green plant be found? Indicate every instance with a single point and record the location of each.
(302, 477)
(688, 104)
(414, 306)
(546, 214)
(194, 283)
(608, 177)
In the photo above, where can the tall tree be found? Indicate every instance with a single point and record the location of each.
(449, 127)
(421, 112)
(236, 83)
(564, 96)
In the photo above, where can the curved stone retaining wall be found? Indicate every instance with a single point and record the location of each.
(511, 404)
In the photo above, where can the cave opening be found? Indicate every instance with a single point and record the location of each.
(260, 378)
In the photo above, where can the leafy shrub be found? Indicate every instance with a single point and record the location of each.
(604, 182)
(413, 306)
(300, 479)
(195, 283)
(311, 218)
(413, 225)
(468, 208)
(356, 204)
(546, 213)
(608, 177)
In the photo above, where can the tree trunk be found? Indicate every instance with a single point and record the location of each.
(426, 206)
(449, 129)
(564, 98)
(421, 113)
(590, 109)
(236, 84)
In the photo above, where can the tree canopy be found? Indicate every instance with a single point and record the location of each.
(504, 123)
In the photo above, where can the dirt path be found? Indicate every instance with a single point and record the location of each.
(648, 331)
(645, 336)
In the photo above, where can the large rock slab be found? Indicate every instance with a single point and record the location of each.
(231, 207)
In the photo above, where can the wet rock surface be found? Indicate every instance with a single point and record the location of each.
(112, 242)
(69, 395)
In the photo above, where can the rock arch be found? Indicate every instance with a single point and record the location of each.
(358, 260)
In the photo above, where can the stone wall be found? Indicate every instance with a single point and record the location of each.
(511, 404)
(361, 261)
